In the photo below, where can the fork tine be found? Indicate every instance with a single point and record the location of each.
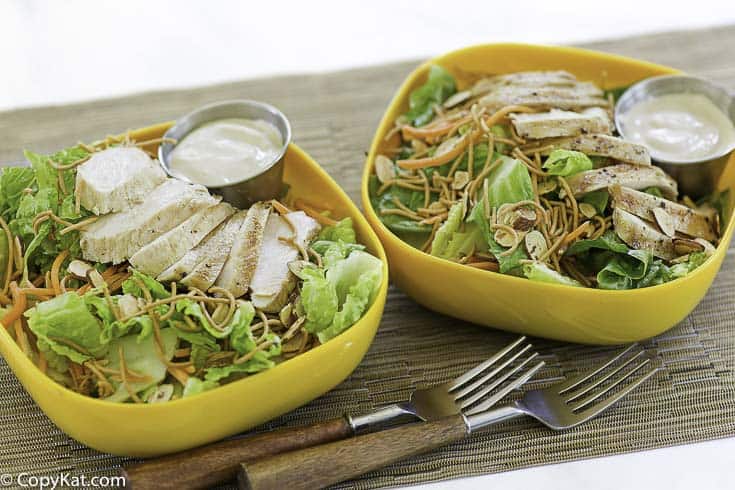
(597, 383)
(516, 383)
(574, 382)
(469, 375)
(469, 401)
(472, 387)
(625, 376)
(608, 402)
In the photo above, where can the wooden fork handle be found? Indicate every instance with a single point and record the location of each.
(217, 463)
(324, 465)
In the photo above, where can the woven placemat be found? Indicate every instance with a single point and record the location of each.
(334, 116)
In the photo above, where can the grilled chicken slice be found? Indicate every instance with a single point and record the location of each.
(531, 79)
(244, 255)
(640, 235)
(598, 145)
(541, 98)
(273, 281)
(633, 176)
(116, 237)
(556, 123)
(685, 220)
(173, 245)
(117, 178)
(200, 266)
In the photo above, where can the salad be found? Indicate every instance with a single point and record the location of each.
(126, 285)
(522, 174)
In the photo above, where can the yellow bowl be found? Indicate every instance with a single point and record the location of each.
(149, 430)
(589, 316)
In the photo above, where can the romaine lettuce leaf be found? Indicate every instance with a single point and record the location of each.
(438, 87)
(259, 362)
(598, 199)
(241, 338)
(157, 290)
(343, 230)
(567, 162)
(447, 230)
(63, 323)
(142, 359)
(194, 386)
(537, 271)
(318, 299)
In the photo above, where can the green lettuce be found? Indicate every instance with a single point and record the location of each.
(131, 286)
(409, 230)
(260, 361)
(447, 230)
(598, 199)
(567, 162)
(195, 386)
(438, 87)
(509, 182)
(334, 298)
(64, 322)
(537, 271)
(241, 338)
(343, 230)
(142, 359)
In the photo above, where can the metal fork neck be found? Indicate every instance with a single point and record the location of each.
(490, 417)
(378, 418)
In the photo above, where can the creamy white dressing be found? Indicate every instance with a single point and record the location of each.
(226, 151)
(679, 127)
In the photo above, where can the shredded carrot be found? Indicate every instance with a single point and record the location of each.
(431, 133)
(55, 267)
(19, 306)
(435, 161)
(280, 207)
(314, 213)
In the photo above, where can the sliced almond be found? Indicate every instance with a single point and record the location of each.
(524, 219)
(96, 278)
(285, 314)
(460, 179)
(504, 238)
(665, 222)
(79, 268)
(296, 266)
(587, 210)
(535, 244)
(457, 98)
(384, 169)
(684, 246)
(546, 186)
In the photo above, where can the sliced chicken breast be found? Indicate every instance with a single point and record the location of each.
(117, 178)
(640, 235)
(525, 79)
(599, 145)
(556, 123)
(542, 98)
(634, 176)
(168, 248)
(685, 220)
(244, 256)
(116, 237)
(200, 266)
(273, 281)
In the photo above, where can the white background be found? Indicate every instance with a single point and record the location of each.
(64, 51)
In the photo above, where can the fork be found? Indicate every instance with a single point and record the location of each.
(561, 406)
(217, 463)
